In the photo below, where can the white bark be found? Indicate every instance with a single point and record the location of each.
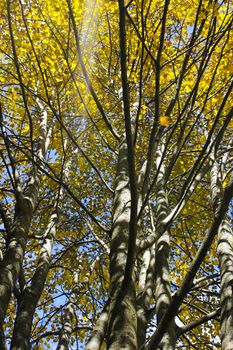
(26, 202)
(225, 257)
(122, 325)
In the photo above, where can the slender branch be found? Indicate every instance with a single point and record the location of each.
(17, 66)
(188, 327)
(53, 176)
(153, 141)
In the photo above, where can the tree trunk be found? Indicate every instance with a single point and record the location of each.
(97, 336)
(26, 201)
(144, 297)
(64, 339)
(122, 327)
(32, 293)
(225, 257)
(11, 264)
(162, 249)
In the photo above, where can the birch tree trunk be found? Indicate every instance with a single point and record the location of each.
(145, 294)
(122, 327)
(162, 248)
(12, 262)
(31, 294)
(69, 310)
(225, 257)
(67, 323)
(96, 339)
(26, 201)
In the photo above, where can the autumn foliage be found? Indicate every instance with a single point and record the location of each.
(116, 182)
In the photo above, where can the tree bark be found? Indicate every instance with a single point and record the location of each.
(26, 201)
(145, 295)
(65, 336)
(11, 264)
(162, 249)
(97, 336)
(225, 257)
(122, 326)
(31, 294)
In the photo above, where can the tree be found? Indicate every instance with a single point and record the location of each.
(116, 176)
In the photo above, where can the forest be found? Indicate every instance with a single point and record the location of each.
(116, 182)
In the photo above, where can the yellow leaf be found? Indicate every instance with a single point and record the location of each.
(225, 183)
(25, 129)
(165, 120)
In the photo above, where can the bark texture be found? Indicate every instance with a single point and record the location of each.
(225, 257)
(96, 339)
(162, 249)
(122, 327)
(32, 293)
(11, 265)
